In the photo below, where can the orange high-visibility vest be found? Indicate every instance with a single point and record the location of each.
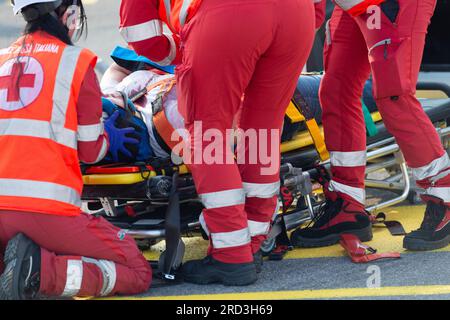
(176, 13)
(357, 7)
(39, 165)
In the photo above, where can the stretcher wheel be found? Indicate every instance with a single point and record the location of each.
(414, 197)
(268, 245)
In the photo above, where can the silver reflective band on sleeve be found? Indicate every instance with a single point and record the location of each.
(230, 239)
(258, 228)
(222, 199)
(348, 4)
(348, 159)
(39, 190)
(317, 1)
(431, 169)
(202, 221)
(103, 150)
(442, 193)
(356, 193)
(89, 133)
(74, 277)
(184, 11)
(172, 54)
(108, 269)
(143, 31)
(261, 190)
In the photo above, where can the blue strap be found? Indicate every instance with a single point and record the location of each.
(130, 60)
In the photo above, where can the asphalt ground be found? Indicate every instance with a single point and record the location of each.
(327, 273)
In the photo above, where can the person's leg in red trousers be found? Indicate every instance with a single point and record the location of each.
(225, 46)
(266, 99)
(346, 70)
(394, 49)
(395, 67)
(80, 256)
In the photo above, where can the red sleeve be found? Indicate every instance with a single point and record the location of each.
(320, 7)
(92, 139)
(142, 28)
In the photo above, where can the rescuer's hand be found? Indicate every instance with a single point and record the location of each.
(118, 137)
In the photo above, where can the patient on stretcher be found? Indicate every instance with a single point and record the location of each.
(154, 96)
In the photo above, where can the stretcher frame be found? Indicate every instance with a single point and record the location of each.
(381, 154)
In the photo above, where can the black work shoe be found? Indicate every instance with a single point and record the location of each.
(21, 278)
(434, 233)
(209, 270)
(258, 261)
(333, 219)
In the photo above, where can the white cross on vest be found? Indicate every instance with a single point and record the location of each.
(21, 81)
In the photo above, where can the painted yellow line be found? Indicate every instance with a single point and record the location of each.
(410, 217)
(313, 294)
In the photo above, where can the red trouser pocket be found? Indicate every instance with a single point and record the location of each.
(390, 61)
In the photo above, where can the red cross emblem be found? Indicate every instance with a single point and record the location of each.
(21, 81)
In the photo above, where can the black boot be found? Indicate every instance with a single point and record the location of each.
(21, 278)
(434, 233)
(209, 270)
(333, 219)
(258, 261)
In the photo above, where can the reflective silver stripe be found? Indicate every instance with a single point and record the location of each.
(348, 159)
(172, 54)
(108, 269)
(258, 228)
(317, 1)
(442, 193)
(184, 11)
(328, 32)
(39, 190)
(168, 7)
(261, 190)
(38, 129)
(202, 221)
(440, 176)
(380, 43)
(348, 4)
(103, 150)
(230, 239)
(74, 278)
(431, 169)
(143, 31)
(356, 193)
(89, 133)
(222, 199)
(62, 93)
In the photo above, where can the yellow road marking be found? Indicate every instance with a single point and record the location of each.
(312, 294)
(383, 241)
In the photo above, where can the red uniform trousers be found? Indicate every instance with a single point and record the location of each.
(392, 51)
(85, 241)
(231, 48)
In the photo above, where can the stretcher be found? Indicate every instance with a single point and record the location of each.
(156, 200)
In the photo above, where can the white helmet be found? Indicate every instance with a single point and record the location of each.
(18, 5)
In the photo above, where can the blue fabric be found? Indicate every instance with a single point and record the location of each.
(141, 151)
(130, 60)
